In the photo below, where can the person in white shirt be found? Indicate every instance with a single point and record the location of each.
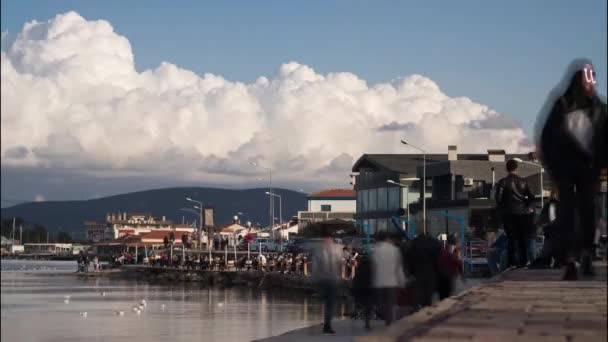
(387, 274)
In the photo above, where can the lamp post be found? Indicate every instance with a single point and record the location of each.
(271, 207)
(200, 221)
(280, 216)
(542, 170)
(423, 183)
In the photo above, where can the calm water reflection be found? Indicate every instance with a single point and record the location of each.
(34, 309)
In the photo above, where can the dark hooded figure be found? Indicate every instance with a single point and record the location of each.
(572, 143)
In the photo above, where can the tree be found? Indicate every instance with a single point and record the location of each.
(166, 241)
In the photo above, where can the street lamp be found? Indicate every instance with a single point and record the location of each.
(271, 206)
(200, 223)
(423, 183)
(542, 170)
(280, 216)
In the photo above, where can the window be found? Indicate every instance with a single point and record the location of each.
(373, 199)
(372, 226)
(364, 201)
(382, 199)
(393, 199)
(325, 207)
(383, 225)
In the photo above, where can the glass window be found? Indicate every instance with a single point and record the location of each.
(382, 225)
(359, 197)
(372, 226)
(393, 199)
(364, 201)
(382, 199)
(325, 207)
(373, 199)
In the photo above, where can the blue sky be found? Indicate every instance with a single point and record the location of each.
(503, 54)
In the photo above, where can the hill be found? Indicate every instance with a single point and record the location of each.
(69, 216)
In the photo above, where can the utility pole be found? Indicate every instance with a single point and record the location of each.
(21, 234)
(13, 242)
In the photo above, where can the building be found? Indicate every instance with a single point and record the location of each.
(327, 205)
(122, 224)
(459, 184)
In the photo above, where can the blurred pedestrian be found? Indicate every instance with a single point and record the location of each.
(572, 143)
(326, 272)
(388, 276)
(513, 202)
(551, 251)
(362, 289)
(497, 253)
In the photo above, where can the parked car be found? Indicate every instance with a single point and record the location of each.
(267, 245)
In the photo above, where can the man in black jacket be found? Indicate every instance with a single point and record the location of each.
(573, 147)
(513, 201)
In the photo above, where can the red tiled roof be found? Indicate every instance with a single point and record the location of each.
(334, 193)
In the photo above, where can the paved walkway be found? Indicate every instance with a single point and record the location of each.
(520, 305)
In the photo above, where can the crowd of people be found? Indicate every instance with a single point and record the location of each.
(397, 276)
(84, 263)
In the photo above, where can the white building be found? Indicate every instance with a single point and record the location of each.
(328, 205)
(122, 224)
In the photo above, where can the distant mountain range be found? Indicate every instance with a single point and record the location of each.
(69, 216)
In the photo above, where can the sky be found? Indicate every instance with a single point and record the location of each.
(113, 96)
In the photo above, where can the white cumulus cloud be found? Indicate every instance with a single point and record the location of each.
(72, 98)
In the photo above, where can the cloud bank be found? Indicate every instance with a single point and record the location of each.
(72, 98)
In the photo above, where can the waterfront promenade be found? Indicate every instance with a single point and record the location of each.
(519, 305)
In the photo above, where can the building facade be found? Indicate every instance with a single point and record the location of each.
(455, 184)
(118, 225)
(328, 205)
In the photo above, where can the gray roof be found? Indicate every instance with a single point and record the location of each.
(407, 163)
(477, 169)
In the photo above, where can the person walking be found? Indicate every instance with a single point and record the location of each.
(497, 253)
(551, 250)
(362, 289)
(572, 141)
(388, 276)
(513, 202)
(325, 273)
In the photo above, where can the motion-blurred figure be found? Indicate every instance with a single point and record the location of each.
(551, 251)
(362, 288)
(327, 261)
(387, 275)
(572, 143)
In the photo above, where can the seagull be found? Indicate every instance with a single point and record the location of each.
(83, 314)
(135, 309)
(141, 307)
(66, 301)
(120, 313)
(67, 297)
(138, 312)
(103, 294)
(163, 306)
(143, 301)
(220, 304)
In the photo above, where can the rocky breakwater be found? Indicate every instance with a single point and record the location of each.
(256, 279)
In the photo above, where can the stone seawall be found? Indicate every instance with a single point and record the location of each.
(255, 279)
